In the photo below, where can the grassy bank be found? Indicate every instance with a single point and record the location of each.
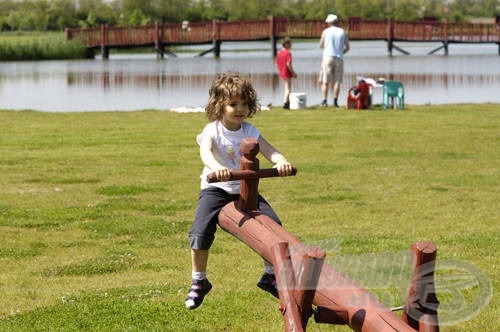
(38, 46)
(95, 208)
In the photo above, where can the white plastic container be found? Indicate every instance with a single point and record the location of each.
(298, 100)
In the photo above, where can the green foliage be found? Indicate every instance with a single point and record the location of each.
(32, 46)
(30, 15)
(95, 210)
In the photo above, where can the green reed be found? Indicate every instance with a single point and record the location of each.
(39, 46)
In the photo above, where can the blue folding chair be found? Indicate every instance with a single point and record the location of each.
(392, 90)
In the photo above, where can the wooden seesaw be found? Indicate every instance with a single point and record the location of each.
(303, 280)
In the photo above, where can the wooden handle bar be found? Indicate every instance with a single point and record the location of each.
(249, 174)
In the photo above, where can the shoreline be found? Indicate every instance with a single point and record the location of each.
(199, 109)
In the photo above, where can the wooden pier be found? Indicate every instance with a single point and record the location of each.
(162, 36)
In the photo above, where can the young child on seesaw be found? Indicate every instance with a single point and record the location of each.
(232, 100)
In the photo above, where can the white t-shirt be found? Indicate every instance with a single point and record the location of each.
(334, 39)
(226, 149)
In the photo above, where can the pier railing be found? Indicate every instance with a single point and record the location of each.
(164, 35)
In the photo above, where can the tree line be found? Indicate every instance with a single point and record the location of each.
(56, 15)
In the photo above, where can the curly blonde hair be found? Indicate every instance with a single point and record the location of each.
(224, 88)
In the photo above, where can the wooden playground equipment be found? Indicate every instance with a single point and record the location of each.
(305, 281)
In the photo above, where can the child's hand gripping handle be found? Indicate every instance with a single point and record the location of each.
(249, 174)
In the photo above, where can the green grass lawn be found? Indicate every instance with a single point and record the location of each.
(95, 209)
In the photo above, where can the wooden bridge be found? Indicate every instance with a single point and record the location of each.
(161, 36)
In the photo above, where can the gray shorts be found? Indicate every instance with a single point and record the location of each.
(210, 202)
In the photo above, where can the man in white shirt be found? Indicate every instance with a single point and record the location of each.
(335, 43)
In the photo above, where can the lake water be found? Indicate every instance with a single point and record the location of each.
(469, 74)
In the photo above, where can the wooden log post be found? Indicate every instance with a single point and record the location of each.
(104, 42)
(285, 278)
(390, 35)
(297, 274)
(216, 38)
(496, 27)
(308, 270)
(446, 37)
(249, 194)
(272, 36)
(421, 298)
(160, 54)
(341, 299)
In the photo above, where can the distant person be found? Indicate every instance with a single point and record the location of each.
(285, 69)
(335, 43)
(359, 96)
(232, 101)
